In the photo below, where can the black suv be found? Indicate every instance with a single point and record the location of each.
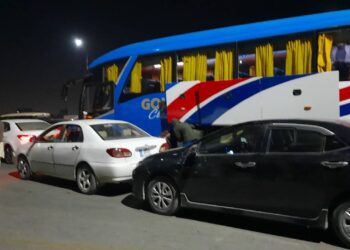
(295, 171)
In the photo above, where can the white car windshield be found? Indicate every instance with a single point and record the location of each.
(28, 126)
(113, 131)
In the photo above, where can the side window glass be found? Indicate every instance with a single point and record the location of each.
(217, 143)
(239, 140)
(6, 126)
(53, 135)
(281, 140)
(332, 143)
(309, 141)
(290, 140)
(73, 133)
(337, 51)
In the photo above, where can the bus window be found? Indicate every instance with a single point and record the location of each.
(195, 65)
(337, 44)
(149, 75)
(110, 72)
(261, 58)
(269, 57)
(210, 64)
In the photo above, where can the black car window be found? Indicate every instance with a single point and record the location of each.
(332, 143)
(244, 139)
(281, 140)
(291, 140)
(309, 141)
(73, 133)
(52, 135)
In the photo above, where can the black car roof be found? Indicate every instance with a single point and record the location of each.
(339, 127)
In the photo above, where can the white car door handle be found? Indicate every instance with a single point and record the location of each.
(75, 148)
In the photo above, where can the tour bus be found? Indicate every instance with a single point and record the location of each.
(295, 67)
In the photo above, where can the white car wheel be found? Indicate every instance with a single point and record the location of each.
(86, 180)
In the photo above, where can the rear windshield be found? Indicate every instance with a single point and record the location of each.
(28, 126)
(113, 131)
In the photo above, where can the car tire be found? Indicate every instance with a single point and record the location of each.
(8, 154)
(340, 223)
(86, 180)
(162, 196)
(23, 168)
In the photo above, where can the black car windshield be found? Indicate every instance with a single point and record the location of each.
(29, 126)
(114, 131)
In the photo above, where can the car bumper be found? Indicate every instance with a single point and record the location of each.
(113, 172)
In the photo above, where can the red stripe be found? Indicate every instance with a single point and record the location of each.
(344, 94)
(180, 106)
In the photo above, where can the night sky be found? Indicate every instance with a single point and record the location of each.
(38, 55)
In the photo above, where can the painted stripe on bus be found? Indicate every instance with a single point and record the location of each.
(213, 110)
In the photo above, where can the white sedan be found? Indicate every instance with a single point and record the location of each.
(18, 135)
(91, 152)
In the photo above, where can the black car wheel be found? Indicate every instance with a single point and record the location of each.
(23, 168)
(162, 196)
(86, 180)
(341, 223)
(8, 154)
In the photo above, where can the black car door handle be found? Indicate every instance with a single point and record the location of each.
(334, 164)
(75, 148)
(249, 164)
(49, 147)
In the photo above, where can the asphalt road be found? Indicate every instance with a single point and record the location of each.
(50, 213)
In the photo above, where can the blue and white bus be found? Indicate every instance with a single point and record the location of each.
(129, 83)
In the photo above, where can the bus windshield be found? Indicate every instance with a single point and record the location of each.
(97, 96)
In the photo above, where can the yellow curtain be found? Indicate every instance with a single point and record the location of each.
(223, 65)
(112, 73)
(299, 57)
(201, 67)
(264, 60)
(165, 72)
(324, 62)
(136, 76)
(195, 67)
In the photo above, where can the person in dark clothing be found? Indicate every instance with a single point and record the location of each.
(185, 132)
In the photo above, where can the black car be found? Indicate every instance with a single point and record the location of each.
(293, 171)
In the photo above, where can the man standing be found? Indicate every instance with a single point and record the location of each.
(185, 132)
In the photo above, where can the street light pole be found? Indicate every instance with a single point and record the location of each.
(87, 60)
(79, 43)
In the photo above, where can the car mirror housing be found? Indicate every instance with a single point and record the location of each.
(34, 139)
(190, 154)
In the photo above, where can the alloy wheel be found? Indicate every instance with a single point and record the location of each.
(23, 169)
(162, 195)
(346, 222)
(84, 180)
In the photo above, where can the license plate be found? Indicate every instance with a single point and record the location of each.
(144, 153)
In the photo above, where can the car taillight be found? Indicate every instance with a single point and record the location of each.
(26, 138)
(119, 152)
(164, 147)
